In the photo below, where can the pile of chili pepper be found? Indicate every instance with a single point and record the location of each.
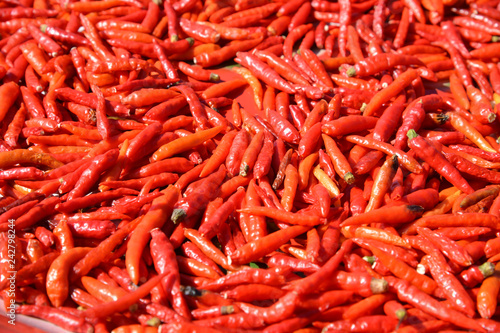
(356, 191)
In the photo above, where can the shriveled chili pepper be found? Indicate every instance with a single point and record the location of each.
(457, 255)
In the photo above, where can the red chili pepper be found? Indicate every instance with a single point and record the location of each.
(193, 204)
(164, 257)
(348, 125)
(236, 152)
(199, 32)
(403, 28)
(487, 297)
(474, 275)
(56, 316)
(383, 324)
(435, 159)
(451, 287)
(263, 72)
(210, 227)
(225, 53)
(391, 91)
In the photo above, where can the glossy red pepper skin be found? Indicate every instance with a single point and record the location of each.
(59, 317)
(195, 203)
(263, 72)
(91, 175)
(429, 154)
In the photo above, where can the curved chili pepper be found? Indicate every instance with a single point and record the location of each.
(376, 64)
(57, 276)
(436, 160)
(280, 215)
(209, 59)
(282, 67)
(463, 126)
(91, 175)
(122, 303)
(193, 204)
(263, 72)
(407, 161)
(451, 287)
(413, 118)
(391, 91)
(283, 128)
(56, 316)
(184, 143)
